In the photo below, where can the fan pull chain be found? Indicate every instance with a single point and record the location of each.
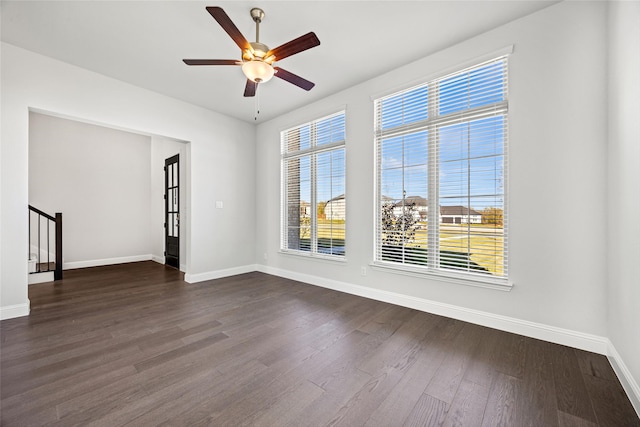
(256, 105)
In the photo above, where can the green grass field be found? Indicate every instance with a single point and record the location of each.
(484, 242)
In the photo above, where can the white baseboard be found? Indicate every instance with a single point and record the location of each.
(105, 261)
(218, 274)
(588, 342)
(16, 310)
(43, 277)
(161, 260)
(629, 384)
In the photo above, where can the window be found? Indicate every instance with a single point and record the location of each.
(313, 197)
(441, 167)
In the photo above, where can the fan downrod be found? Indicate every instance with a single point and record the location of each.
(257, 15)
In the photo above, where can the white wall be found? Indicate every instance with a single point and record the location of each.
(558, 132)
(624, 186)
(161, 149)
(559, 82)
(222, 159)
(99, 178)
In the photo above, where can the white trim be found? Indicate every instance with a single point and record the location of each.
(340, 259)
(101, 124)
(105, 261)
(328, 112)
(507, 50)
(46, 276)
(629, 383)
(16, 310)
(468, 279)
(218, 274)
(583, 341)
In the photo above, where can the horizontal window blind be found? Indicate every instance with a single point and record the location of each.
(314, 203)
(441, 161)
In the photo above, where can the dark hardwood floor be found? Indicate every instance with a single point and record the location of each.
(134, 344)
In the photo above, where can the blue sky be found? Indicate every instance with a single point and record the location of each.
(470, 153)
(330, 165)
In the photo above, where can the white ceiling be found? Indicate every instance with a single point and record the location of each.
(144, 42)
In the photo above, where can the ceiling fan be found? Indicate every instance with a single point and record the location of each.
(257, 59)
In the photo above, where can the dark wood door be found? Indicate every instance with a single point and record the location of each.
(172, 211)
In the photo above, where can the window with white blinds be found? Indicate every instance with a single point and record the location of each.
(313, 194)
(441, 165)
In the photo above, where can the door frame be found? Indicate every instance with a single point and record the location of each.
(172, 230)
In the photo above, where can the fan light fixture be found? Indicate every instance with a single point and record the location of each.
(257, 71)
(257, 58)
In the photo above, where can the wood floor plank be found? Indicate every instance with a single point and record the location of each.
(189, 398)
(44, 400)
(405, 340)
(179, 352)
(230, 403)
(329, 409)
(133, 344)
(595, 365)
(396, 407)
(482, 368)
(501, 408)
(571, 394)
(368, 398)
(290, 406)
(468, 406)
(611, 405)
(160, 399)
(179, 398)
(568, 420)
(537, 397)
(429, 411)
(388, 367)
(510, 354)
(13, 383)
(444, 384)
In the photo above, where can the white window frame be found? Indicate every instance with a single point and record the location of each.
(311, 152)
(432, 124)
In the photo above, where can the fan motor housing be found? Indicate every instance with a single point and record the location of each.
(259, 51)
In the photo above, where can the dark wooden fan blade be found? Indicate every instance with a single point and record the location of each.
(298, 45)
(211, 62)
(250, 88)
(292, 78)
(228, 25)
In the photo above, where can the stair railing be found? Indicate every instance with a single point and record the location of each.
(36, 216)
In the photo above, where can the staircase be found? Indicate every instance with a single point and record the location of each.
(45, 246)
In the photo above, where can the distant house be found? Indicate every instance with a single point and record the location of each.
(459, 215)
(335, 208)
(305, 209)
(421, 206)
(448, 214)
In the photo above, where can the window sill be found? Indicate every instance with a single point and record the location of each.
(315, 256)
(452, 277)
